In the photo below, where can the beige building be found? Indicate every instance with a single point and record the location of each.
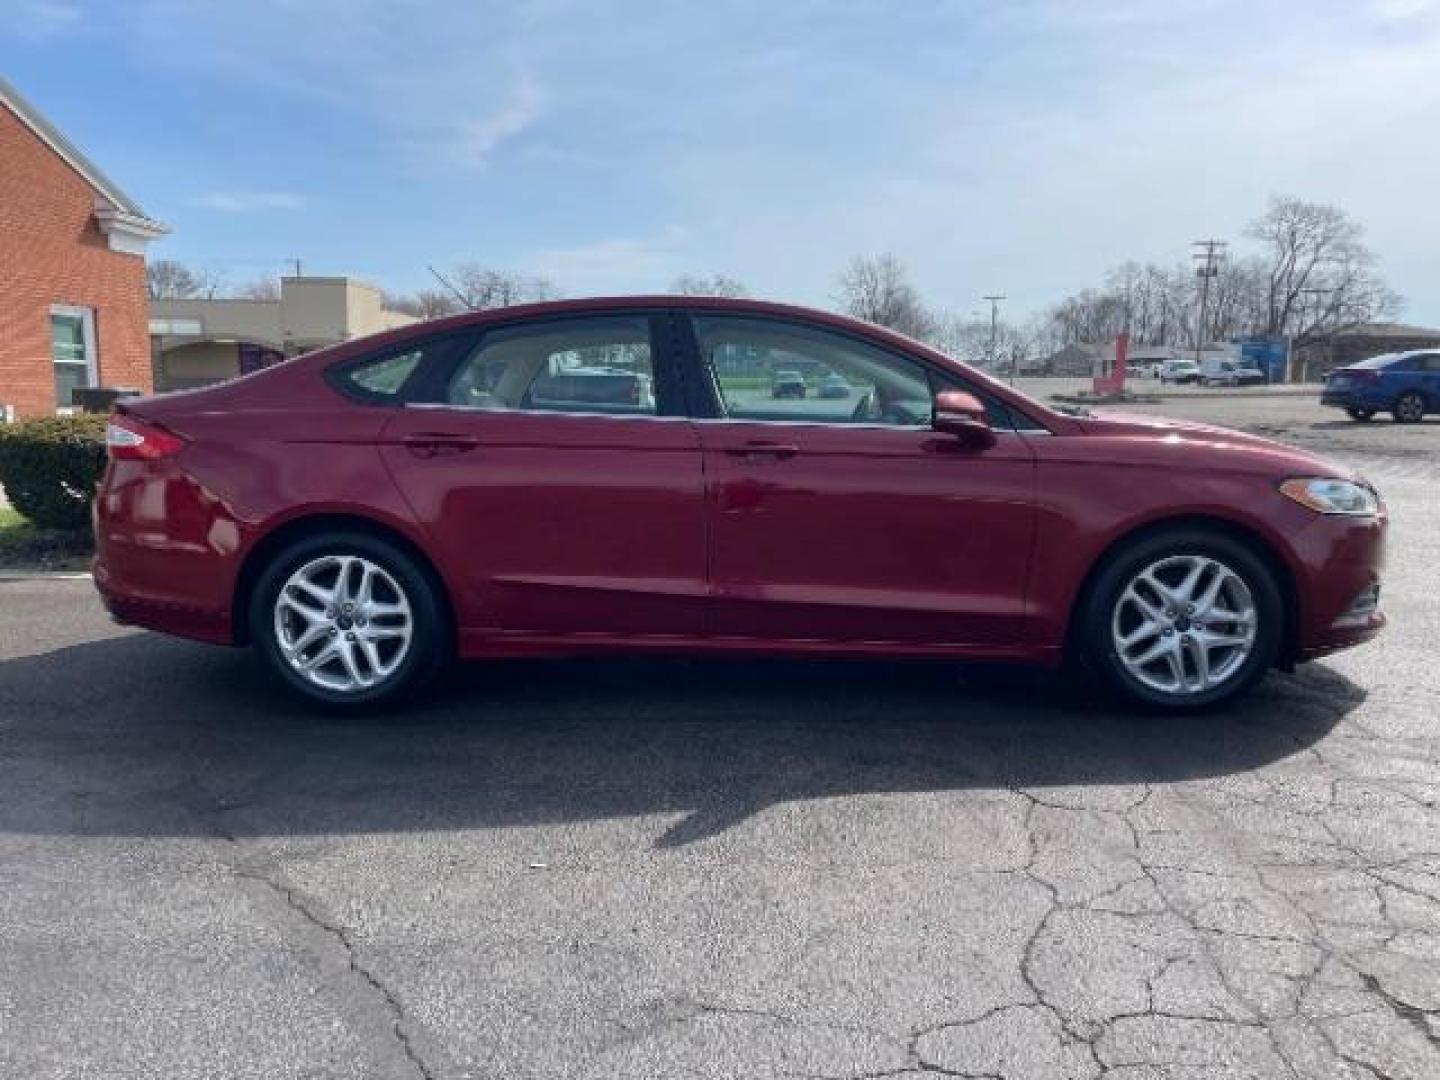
(198, 342)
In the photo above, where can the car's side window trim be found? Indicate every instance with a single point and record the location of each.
(705, 402)
(669, 400)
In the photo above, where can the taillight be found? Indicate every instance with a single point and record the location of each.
(128, 438)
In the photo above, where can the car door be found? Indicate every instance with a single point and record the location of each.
(847, 518)
(557, 476)
(1430, 380)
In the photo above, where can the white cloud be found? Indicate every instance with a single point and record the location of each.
(475, 140)
(1405, 9)
(246, 202)
(43, 18)
(615, 264)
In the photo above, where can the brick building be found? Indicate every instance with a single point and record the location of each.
(73, 311)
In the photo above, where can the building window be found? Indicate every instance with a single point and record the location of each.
(72, 347)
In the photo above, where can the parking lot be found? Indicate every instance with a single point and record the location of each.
(665, 868)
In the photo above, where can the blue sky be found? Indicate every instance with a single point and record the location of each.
(1021, 147)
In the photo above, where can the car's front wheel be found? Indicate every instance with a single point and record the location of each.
(348, 619)
(1409, 408)
(1182, 620)
(1362, 415)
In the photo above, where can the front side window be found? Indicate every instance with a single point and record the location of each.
(773, 370)
(582, 365)
(72, 348)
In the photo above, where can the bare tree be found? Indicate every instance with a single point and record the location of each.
(424, 304)
(1314, 250)
(876, 290)
(963, 337)
(166, 279)
(1313, 276)
(266, 288)
(711, 285)
(480, 289)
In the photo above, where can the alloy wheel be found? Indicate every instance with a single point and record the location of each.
(343, 623)
(1184, 625)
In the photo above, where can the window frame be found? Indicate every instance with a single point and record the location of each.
(669, 393)
(706, 404)
(86, 315)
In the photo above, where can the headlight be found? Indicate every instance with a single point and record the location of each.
(1328, 496)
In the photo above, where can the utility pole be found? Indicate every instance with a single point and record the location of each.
(297, 267)
(995, 330)
(1305, 294)
(1208, 258)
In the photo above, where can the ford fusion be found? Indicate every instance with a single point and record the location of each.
(620, 474)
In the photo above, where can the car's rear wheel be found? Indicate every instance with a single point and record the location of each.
(1362, 415)
(348, 619)
(1182, 620)
(1409, 408)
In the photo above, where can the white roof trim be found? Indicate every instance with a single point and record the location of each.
(120, 203)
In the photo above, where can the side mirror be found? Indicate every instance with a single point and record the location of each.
(962, 415)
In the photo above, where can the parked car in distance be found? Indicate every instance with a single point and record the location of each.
(1221, 372)
(1406, 385)
(834, 386)
(581, 387)
(1145, 369)
(1179, 371)
(787, 384)
(363, 513)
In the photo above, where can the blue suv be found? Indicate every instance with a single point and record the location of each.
(1406, 385)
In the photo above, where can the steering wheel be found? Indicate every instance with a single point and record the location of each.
(864, 408)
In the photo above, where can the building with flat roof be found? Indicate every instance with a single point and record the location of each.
(199, 342)
(1326, 352)
(73, 313)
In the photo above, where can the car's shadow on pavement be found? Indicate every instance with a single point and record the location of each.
(143, 736)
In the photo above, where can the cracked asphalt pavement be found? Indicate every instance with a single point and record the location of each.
(672, 868)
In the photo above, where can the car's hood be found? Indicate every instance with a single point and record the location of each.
(1264, 453)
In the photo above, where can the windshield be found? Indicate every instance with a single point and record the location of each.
(1384, 360)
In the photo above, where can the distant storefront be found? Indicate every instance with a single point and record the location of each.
(199, 342)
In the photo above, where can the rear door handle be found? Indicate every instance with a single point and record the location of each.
(428, 444)
(763, 448)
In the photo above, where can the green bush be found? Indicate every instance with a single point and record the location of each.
(49, 468)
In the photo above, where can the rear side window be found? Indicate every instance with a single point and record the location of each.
(396, 375)
(600, 364)
(386, 376)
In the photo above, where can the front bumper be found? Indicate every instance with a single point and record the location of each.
(1342, 561)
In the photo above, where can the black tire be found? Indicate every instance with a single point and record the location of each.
(1093, 639)
(430, 640)
(1362, 415)
(1409, 408)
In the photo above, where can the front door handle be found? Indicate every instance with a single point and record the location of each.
(429, 444)
(763, 448)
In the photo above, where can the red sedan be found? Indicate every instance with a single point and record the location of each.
(617, 475)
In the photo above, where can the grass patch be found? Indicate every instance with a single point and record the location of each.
(24, 546)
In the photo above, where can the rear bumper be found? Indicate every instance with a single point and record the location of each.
(1355, 399)
(166, 552)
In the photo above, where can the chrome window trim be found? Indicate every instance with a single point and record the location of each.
(474, 410)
